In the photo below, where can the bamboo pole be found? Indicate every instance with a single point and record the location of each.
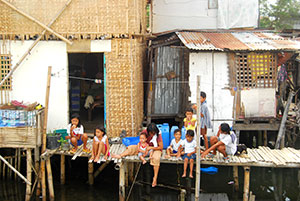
(100, 169)
(90, 172)
(265, 137)
(283, 120)
(34, 44)
(182, 194)
(50, 180)
(36, 21)
(122, 182)
(62, 169)
(43, 175)
(198, 165)
(246, 183)
(29, 170)
(10, 166)
(236, 177)
(133, 182)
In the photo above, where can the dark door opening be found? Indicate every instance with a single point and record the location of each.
(85, 96)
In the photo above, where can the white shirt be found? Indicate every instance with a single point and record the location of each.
(175, 145)
(227, 140)
(102, 140)
(189, 147)
(76, 131)
(154, 141)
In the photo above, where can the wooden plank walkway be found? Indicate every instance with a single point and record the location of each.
(258, 157)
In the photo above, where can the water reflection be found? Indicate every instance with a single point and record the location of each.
(266, 184)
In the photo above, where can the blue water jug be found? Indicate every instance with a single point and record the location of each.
(183, 132)
(165, 134)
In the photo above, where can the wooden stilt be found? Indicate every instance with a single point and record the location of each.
(246, 183)
(97, 172)
(122, 182)
(16, 163)
(29, 170)
(182, 194)
(265, 138)
(50, 180)
(259, 140)
(236, 177)
(62, 169)
(91, 172)
(127, 170)
(19, 160)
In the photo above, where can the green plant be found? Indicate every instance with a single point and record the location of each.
(62, 141)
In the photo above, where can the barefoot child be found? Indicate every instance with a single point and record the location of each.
(189, 145)
(142, 148)
(224, 142)
(76, 135)
(100, 144)
(172, 150)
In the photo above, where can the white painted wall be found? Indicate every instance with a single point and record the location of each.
(182, 14)
(213, 69)
(30, 79)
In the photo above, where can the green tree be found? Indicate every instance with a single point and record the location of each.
(280, 15)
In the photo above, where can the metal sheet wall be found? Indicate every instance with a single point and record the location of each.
(167, 94)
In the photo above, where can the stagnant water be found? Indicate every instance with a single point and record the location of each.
(265, 183)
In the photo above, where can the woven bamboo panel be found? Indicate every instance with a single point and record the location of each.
(18, 137)
(94, 17)
(125, 86)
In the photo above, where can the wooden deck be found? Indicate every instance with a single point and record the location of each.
(258, 157)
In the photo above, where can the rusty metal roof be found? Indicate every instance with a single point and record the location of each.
(235, 41)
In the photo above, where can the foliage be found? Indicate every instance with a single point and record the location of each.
(280, 15)
(62, 141)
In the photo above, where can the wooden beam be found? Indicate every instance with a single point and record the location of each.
(246, 183)
(50, 180)
(11, 167)
(90, 172)
(28, 170)
(36, 21)
(198, 165)
(122, 182)
(255, 127)
(34, 44)
(62, 169)
(101, 168)
(236, 178)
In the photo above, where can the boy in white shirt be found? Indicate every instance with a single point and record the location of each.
(224, 142)
(172, 150)
(189, 145)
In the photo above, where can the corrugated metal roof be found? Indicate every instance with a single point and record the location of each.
(252, 41)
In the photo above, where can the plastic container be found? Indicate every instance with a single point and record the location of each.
(52, 141)
(62, 132)
(183, 132)
(165, 132)
(127, 141)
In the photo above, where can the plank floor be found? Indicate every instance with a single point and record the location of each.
(259, 157)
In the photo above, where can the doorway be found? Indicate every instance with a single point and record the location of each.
(86, 97)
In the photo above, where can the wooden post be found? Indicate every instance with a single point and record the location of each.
(259, 138)
(50, 179)
(127, 168)
(43, 174)
(91, 172)
(236, 177)
(246, 183)
(97, 172)
(29, 170)
(198, 165)
(182, 194)
(62, 169)
(265, 138)
(122, 182)
(283, 120)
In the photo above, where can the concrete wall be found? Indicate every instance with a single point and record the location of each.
(213, 69)
(183, 14)
(30, 79)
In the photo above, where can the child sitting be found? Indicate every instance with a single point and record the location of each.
(172, 150)
(76, 135)
(100, 145)
(224, 142)
(189, 145)
(189, 120)
(142, 148)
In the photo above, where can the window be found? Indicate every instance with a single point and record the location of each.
(5, 65)
(255, 70)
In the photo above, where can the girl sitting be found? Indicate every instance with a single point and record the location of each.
(76, 135)
(100, 145)
(142, 148)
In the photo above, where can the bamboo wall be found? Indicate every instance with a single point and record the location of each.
(81, 18)
(124, 86)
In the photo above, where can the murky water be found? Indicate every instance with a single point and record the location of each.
(266, 183)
